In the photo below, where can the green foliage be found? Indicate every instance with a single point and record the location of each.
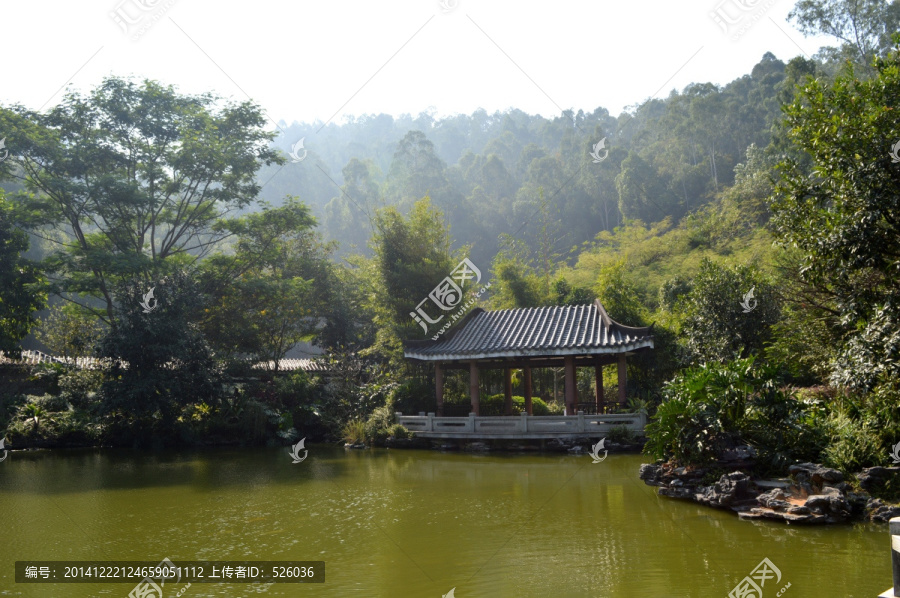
(621, 434)
(566, 294)
(717, 325)
(718, 406)
(413, 394)
(21, 292)
(518, 284)
(854, 444)
(269, 290)
(412, 255)
(495, 405)
(838, 208)
(134, 175)
(619, 296)
(159, 361)
(399, 432)
(861, 27)
(69, 332)
(354, 432)
(9, 407)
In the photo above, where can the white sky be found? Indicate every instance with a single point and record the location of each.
(316, 59)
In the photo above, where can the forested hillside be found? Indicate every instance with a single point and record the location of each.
(485, 172)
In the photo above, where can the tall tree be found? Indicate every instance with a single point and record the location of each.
(21, 283)
(135, 174)
(842, 213)
(863, 27)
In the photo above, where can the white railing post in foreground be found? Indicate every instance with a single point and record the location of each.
(895, 559)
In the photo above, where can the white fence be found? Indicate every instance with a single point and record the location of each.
(523, 425)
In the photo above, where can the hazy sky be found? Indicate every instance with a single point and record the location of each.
(305, 60)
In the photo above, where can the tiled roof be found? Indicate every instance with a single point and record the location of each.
(290, 365)
(532, 332)
(34, 357)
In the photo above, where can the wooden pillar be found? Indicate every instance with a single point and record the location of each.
(439, 387)
(507, 389)
(598, 380)
(622, 378)
(571, 391)
(528, 390)
(473, 386)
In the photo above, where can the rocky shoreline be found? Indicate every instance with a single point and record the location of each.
(813, 494)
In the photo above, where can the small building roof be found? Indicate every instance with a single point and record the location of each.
(532, 332)
(292, 365)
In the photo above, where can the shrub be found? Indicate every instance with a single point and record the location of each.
(80, 387)
(494, 405)
(621, 434)
(354, 431)
(854, 444)
(715, 407)
(399, 432)
(9, 407)
(49, 403)
(413, 395)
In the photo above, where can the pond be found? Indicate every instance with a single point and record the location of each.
(410, 523)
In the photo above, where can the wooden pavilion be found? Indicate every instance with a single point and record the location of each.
(569, 336)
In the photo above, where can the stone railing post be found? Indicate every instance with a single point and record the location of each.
(523, 423)
(470, 425)
(580, 427)
(429, 422)
(895, 559)
(397, 416)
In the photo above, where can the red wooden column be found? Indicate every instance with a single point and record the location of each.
(439, 387)
(528, 390)
(507, 388)
(622, 378)
(598, 376)
(571, 391)
(473, 386)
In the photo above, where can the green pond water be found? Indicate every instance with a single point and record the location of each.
(410, 523)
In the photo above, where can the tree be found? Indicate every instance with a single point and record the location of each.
(159, 362)
(863, 27)
(722, 321)
(268, 294)
(642, 195)
(348, 215)
(412, 257)
(416, 170)
(69, 332)
(135, 174)
(21, 283)
(842, 214)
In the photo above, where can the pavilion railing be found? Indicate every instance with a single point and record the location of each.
(589, 425)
